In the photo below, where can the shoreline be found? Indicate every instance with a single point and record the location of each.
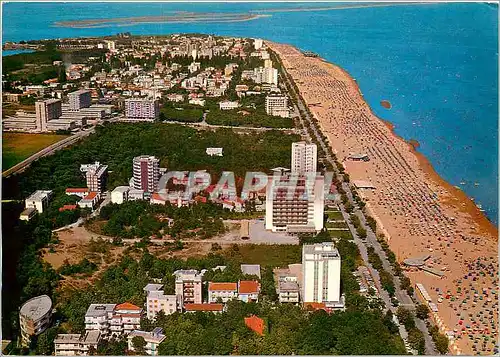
(427, 166)
(421, 211)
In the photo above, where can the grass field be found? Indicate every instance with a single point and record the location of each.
(18, 146)
(264, 254)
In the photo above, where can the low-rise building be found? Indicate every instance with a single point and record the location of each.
(120, 194)
(197, 101)
(34, 317)
(89, 201)
(222, 292)
(277, 105)
(215, 308)
(214, 151)
(157, 301)
(134, 194)
(28, 214)
(250, 269)
(228, 105)
(152, 339)
(288, 289)
(68, 344)
(248, 290)
(80, 192)
(39, 200)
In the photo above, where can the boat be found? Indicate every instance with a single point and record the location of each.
(462, 182)
(476, 183)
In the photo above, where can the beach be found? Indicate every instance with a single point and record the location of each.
(421, 214)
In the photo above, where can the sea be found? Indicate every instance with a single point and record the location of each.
(437, 64)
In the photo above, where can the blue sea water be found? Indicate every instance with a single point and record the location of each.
(15, 52)
(436, 63)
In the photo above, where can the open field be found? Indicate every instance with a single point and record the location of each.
(18, 146)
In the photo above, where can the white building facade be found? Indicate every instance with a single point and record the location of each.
(321, 274)
(304, 157)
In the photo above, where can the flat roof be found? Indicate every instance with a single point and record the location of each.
(28, 211)
(37, 307)
(250, 269)
(67, 338)
(153, 287)
(153, 336)
(92, 337)
(95, 310)
(39, 195)
(292, 286)
(222, 286)
(121, 189)
(363, 184)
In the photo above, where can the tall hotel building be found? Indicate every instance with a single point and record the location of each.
(146, 173)
(47, 110)
(96, 175)
(79, 99)
(321, 274)
(142, 109)
(295, 203)
(304, 157)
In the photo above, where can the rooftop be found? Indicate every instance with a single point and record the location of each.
(127, 306)
(250, 269)
(77, 190)
(92, 337)
(155, 336)
(39, 195)
(203, 307)
(96, 310)
(37, 307)
(121, 189)
(153, 287)
(222, 286)
(248, 287)
(67, 338)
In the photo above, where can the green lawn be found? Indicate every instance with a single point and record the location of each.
(335, 215)
(340, 234)
(265, 254)
(18, 146)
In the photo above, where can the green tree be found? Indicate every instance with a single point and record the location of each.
(139, 345)
(422, 311)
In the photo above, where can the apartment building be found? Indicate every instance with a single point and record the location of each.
(90, 201)
(142, 109)
(188, 286)
(153, 340)
(34, 317)
(321, 274)
(295, 203)
(277, 105)
(146, 173)
(126, 317)
(288, 289)
(79, 99)
(96, 176)
(304, 157)
(39, 200)
(248, 290)
(69, 344)
(47, 110)
(157, 301)
(222, 291)
(98, 317)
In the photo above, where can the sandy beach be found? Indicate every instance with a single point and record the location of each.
(420, 212)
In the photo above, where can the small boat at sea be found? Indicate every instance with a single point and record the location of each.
(476, 183)
(462, 182)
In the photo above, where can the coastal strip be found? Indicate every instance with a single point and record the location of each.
(421, 213)
(177, 18)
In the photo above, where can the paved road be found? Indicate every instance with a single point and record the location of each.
(371, 239)
(49, 150)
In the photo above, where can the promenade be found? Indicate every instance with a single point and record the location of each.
(421, 213)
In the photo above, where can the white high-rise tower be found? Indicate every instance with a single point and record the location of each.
(304, 157)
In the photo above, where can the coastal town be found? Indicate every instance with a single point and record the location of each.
(142, 229)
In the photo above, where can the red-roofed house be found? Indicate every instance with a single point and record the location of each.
(248, 290)
(67, 208)
(90, 200)
(256, 324)
(315, 306)
(80, 192)
(224, 291)
(215, 308)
